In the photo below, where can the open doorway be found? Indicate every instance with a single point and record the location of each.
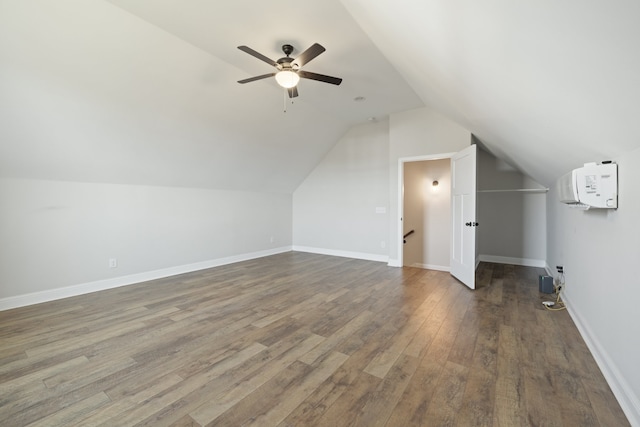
(426, 213)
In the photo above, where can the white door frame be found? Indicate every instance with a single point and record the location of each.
(401, 162)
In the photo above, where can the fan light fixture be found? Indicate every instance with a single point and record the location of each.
(287, 78)
(289, 70)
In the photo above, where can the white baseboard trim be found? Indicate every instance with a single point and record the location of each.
(116, 282)
(432, 267)
(628, 400)
(527, 262)
(394, 263)
(344, 254)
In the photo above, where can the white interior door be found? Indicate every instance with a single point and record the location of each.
(463, 210)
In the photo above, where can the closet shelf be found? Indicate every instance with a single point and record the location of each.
(516, 190)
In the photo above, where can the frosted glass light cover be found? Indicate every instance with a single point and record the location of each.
(287, 79)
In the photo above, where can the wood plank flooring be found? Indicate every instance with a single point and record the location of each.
(299, 339)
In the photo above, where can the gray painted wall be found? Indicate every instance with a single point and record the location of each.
(60, 234)
(600, 251)
(519, 219)
(334, 209)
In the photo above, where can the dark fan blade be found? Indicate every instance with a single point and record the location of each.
(308, 55)
(293, 92)
(258, 55)
(253, 79)
(319, 77)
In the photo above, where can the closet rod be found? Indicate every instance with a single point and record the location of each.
(517, 190)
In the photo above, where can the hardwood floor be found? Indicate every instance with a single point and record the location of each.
(297, 340)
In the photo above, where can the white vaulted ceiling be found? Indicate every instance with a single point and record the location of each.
(145, 92)
(546, 85)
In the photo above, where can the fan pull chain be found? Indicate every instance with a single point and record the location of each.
(286, 93)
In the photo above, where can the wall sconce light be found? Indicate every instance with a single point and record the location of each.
(435, 183)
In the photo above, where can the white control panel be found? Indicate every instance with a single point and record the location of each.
(597, 185)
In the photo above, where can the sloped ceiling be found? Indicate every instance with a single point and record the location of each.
(546, 85)
(145, 92)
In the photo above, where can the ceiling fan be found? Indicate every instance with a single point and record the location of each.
(289, 69)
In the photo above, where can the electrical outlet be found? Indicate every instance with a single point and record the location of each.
(272, 239)
(113, 262)
(383, 244)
